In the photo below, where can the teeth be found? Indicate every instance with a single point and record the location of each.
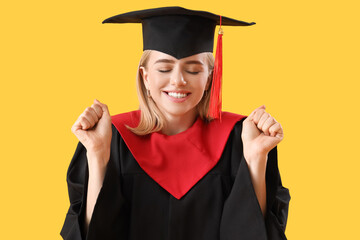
(177, 95)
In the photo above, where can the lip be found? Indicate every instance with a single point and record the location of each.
(177, 100)
(176, 91)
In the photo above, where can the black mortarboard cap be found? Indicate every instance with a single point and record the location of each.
(176, 31)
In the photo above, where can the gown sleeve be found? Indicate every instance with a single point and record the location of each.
(110, 208)
(242, 217)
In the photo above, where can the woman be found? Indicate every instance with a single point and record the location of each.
(169, 170)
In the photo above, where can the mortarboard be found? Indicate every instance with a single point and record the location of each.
(181, 33)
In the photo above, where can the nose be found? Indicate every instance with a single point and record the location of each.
(177, 78)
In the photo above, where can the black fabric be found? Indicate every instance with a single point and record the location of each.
(176, 31)
(221, 206)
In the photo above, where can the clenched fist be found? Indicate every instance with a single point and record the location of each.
(261, 133)
(93, 129)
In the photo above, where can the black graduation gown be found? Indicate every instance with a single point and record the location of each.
(132, 206)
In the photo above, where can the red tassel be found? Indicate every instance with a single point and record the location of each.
(215, 97)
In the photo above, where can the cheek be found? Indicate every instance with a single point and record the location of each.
(157, 79)
(200, 88)
(201, 83)
(153, 82)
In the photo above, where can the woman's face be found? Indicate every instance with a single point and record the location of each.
(176, 85)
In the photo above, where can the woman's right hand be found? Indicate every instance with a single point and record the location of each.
(93, 129)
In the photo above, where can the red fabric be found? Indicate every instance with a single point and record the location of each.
(179, 161)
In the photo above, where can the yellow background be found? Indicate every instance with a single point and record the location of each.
(300, 60)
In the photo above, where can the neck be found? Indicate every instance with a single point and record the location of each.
(178, 123)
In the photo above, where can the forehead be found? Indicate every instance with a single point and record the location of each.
(160, 57)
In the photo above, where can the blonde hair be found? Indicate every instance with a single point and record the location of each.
(151, 119)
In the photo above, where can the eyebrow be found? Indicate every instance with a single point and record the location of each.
(172, 61)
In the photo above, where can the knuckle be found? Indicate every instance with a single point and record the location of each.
(99, 108)
(83, 125)
(83, 120)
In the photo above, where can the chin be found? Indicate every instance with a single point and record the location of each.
(177, 111)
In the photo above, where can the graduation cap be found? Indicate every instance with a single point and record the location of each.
(181, 33)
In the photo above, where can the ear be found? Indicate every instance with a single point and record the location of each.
(144, 75)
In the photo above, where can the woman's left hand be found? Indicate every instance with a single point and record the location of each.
(260, 133)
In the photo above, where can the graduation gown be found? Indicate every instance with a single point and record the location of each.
(140, 200)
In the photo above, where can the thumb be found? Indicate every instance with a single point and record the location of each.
(81, 135)
(250, 117)
(104, 107)
(261, 107)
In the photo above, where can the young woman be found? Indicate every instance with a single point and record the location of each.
(169, 170)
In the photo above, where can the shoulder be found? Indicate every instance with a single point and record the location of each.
(126, 119)
(219, 130)
(234, 119)
(233, 122)
(121, 120)
(231, 114)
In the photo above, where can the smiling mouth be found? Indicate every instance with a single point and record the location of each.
(177, 94)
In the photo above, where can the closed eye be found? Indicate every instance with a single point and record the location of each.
(164, 71)
(193, 73)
